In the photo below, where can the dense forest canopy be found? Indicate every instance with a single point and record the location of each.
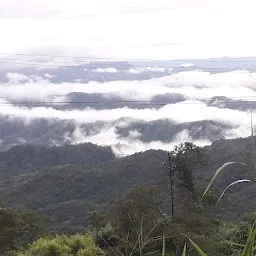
(84, 188)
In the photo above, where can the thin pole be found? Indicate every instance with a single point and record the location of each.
(252, 132)
(253, 144)
(171, 174)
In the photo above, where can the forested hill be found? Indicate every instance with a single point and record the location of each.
(67, 182)
(30, 158)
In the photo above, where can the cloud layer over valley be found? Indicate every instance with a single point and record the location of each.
(132, 108)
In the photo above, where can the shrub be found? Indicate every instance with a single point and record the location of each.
(77, 245)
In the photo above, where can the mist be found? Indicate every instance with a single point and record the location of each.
(177, 106)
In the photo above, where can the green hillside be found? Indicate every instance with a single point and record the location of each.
(30, 158)
(74, 179)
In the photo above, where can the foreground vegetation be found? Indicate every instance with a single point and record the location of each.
(166, 217)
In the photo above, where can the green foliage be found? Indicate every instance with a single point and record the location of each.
(137, 220)
(96, 220)
(210, 198)
(184, 250)
(18, 229)
(185, 157)
(248, 249)
(182, 162)
(68, 192)
(136, 223)
(199, 250)
(244, 225)
(139, 224)
(77, 245)
(30, 158)
(141, 202)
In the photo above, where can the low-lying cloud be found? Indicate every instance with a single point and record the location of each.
(179, 102)
(106, 70)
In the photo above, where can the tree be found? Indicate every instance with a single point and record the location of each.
(18, 229)
(96, 219)
(185, 157)
(181, 162)
(137, 220)
(139, 216)
(140, 202)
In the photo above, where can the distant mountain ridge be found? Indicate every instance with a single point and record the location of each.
(105, 71)
(99, 71)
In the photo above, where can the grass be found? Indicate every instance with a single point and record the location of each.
(252, 169)
(248, 249)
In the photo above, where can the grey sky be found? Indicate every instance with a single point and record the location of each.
(162, 29)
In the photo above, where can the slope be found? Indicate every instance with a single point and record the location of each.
(30, 158)
(67, 192)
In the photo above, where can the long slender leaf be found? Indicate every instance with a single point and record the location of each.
(163, 248)
(249, 247)
(152, 240)
(184, 250)
(153, 229)
(230, 185)
(200, 251)
(220, 170)
(236, 244)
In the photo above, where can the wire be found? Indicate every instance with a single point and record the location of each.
(146, 103)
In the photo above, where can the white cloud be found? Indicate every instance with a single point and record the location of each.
(196, 86)
(105, 70)
(155, 69)
(183, 112)
(186, 65)
(193, 84)
(129, 145)
(134, 71)
(48, 75)
(15, 78)
(3, 101)
(147, 69)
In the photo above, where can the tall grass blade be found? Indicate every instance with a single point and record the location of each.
(184, 250)
(253, 142)
(199, 250)
(248, 249)
(249, 246)
(163, 248)
(236, 244)
(220, 170)
(230, 185)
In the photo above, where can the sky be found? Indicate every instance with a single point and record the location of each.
(128, 29)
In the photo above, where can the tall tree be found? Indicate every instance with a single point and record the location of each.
(181, 163)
